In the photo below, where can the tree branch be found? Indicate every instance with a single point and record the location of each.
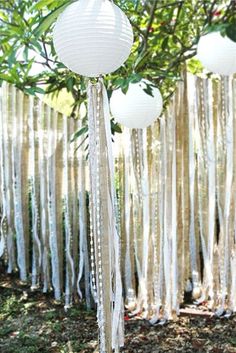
(154, 6)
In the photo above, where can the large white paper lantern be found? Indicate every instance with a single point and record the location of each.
(217, 53)
(93, 37)
(136, 109)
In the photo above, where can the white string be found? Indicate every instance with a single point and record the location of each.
(36, 256)
(117, 319)
(51, 196)
(17, 182)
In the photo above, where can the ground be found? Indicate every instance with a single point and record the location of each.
(31, 322)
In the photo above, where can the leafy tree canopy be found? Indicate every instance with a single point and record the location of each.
(166, 34)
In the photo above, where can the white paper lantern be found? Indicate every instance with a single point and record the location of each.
(217, 53)
(136, 109)
(93, 37)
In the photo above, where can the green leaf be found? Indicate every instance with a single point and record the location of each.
(220, 27)
(164, 44)
(41, 4)
(125, 87)
(231, 32)
(70, 84)
(5, 77)
(142, 60)
(30, 91)
(26, 54)
(12, 58)
(35, 44)
(148, 90)
(135, 78)
(78, 133)
(119, 82)
(48, 20)
(39, 90)
(115, 127)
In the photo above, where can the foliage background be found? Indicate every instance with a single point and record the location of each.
(166, 34)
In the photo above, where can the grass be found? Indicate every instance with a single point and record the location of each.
(31, 322)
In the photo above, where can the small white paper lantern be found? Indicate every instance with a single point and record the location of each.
(136, 109)
(93, 37)
(217, 53)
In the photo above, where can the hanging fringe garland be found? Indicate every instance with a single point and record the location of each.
(7, 246)
(84, 268)
(34, 186)
(176, 218)
(67, 197)
(225, 241)
(42, 167)
(193, 169)
(104, 221)
(128, 268)
(19, 178)
(31, 191)
(52, 215)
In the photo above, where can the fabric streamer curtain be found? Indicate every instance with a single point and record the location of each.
(191, 161)
(39, 171)
(171, 198)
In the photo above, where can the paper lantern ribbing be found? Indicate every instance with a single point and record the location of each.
(93, 37)
(217, 53)
(136, 109)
